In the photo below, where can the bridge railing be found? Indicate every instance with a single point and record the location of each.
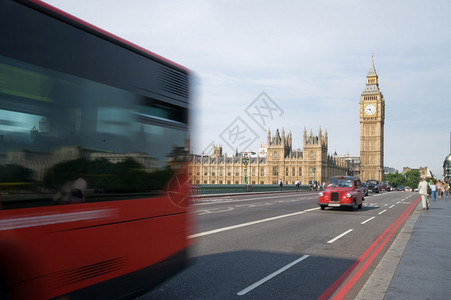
(205, 189)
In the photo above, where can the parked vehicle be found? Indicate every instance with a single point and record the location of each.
(373, 185)
(385, 186)
(365, 188)
(400, 188)
(342, 191)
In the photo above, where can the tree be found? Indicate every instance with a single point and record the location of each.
(413, 178)
(396, 179)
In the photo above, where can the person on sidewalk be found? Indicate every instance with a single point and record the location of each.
(433, 190)
(447, 189)
(439, 189)
(423, 191)
(443, 189)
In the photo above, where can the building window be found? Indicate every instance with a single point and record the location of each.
(236, 182)
(237, 171)
(229, 171)
(293, 172)
(205, 171)
(228, 181)
(300, 171)
(254, 171)
(220, 181)
(213, 171)
(221, 171)
(276, 155)
(253, 182)
(213, 182)
(262, 182)
(198, 171)
(286, 171)
(262, 171)
(275, 172)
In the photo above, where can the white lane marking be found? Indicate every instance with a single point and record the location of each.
(243, 225)
(312, 209)
(367, 220)
(341, 235)
(230, 199)
(210, 211)
(392, 206)
(261, 281)
(382, 212)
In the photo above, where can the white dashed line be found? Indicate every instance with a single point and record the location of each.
(341, 235)
(243, 225)
(261, 281)
(367, 220)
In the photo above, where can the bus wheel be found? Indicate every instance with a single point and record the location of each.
(323, 207)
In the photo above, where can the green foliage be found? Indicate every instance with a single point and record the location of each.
(411, 178)
(396, 179)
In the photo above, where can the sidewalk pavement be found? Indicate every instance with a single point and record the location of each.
(418, 263)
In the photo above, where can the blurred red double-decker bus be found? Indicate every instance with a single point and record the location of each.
(94, 193)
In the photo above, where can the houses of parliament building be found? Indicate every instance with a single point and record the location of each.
(279, 160)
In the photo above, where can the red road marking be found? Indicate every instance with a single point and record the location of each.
(395, 225)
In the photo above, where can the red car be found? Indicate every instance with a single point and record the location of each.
(342, 191)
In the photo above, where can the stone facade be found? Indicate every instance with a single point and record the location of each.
(280, 161)
(372, 117)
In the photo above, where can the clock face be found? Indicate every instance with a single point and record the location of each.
(370, 109)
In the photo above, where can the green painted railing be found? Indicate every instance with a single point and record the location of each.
(203, 189)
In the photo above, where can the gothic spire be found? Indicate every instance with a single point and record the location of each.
(372, 71)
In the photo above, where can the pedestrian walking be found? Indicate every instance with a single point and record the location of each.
(439, 189)
(447, 189)
(443, 192)
(298, 184)
(423, 191)
(433, 190)
(280, 184)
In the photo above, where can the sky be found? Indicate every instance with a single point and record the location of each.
(295, 65)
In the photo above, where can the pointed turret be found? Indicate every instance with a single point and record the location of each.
(325, 138)
(372, 84)
(372, 71)
(268, 139)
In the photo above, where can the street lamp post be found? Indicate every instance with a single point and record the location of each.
(313, 171)
(245, 162)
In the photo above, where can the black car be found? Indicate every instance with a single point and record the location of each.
(373, 185)
(385, 186)
(365, 188)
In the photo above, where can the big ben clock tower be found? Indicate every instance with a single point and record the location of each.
(372, 116)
